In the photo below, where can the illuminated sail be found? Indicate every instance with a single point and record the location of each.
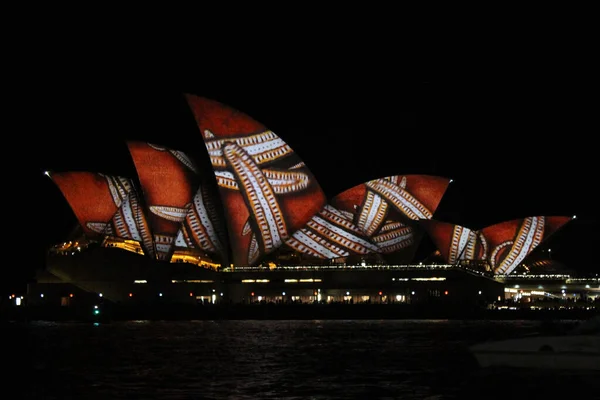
(385, 210)
(266, 190)
(503, 246)
(512, 241)
(131, 223)
(203, 227)
(93, 197)
(331, 234)
(456, 242)
(106, 206)
(169, 180)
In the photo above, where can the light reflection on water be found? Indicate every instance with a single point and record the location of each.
(270, 360)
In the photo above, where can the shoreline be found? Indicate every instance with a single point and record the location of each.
(110, 312)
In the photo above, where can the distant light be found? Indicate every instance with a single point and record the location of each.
(480, 292)
(451, 180)
(41, 294)
(99, 294)
(347, 293)
(160, 294)
(283, 293)
(574, 216)
(130, 294)
(95, 307)
(412, 292)
(47, 173)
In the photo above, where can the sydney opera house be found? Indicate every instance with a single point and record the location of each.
(258, 227)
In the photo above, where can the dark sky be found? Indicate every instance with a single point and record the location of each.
(517, 142)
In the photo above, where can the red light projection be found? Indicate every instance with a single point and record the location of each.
(204, 227)
(331, 234)
(503, 246)
(385, 209)
(169, 181)
(267, 191)
(105, 206)
(93, 197)
(130, 223)
(456, 242)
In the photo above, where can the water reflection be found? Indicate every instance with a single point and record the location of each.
(271, 360)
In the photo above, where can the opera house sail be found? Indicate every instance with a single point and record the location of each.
(241, 219)
(267, 192)
(501, 246)
(106, 206)
(385, 210)
(179, 213)
(256, 199)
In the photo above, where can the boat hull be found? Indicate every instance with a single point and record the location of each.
(580, 352)
(558, 361)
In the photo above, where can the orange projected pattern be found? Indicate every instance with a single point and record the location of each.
(503, 246)
(169, 179)
(331, 234)
(385, 209)
(105, 206)
(267, 192)
(259, 197)
(130, 223)
(203, 228)
(93, 197)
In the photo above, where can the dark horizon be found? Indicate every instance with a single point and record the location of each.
(514, 148)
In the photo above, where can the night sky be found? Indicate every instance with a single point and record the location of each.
(516, 143)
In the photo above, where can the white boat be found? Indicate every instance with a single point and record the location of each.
(576, 350)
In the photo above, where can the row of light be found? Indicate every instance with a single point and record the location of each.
(380, 293)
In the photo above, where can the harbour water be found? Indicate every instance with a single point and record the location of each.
(277, 359)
